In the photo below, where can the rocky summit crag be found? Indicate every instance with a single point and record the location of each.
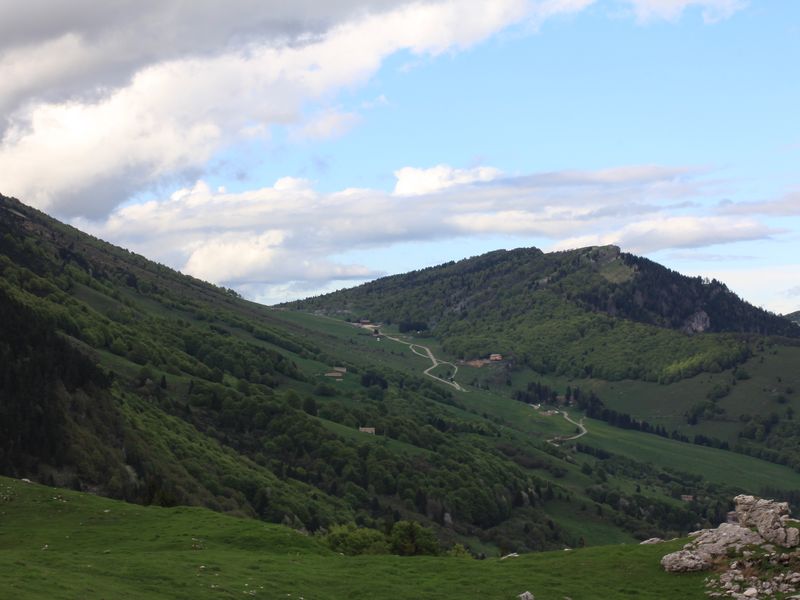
(756, 555)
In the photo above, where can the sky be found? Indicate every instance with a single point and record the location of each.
(289, 148)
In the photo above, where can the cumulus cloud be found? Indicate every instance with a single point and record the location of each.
(103, 100)
(173, 115)
(246, 258)
(412, 181)
(288, 236)
(54, 49)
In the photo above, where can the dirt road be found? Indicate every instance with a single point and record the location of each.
(425, 352)
(581, 431)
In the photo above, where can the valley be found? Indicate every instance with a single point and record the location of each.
(129, 380)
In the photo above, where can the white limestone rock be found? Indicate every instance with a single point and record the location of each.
(684, 561)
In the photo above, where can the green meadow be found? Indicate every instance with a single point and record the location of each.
(59, 544)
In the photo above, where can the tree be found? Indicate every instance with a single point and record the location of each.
(310, 405)
(409, 538)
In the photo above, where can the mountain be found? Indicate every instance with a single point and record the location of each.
(587, 312)
(794, 317)
(125, 378)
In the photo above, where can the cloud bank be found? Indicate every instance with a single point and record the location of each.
(104, 100)
(290, 232)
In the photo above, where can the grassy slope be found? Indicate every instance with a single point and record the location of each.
(60, 544)
(715, 465)
(772, 371)
(736, 470)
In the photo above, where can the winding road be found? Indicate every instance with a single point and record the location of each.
(581, 431)
(426, 353)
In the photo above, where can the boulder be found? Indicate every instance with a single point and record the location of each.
(715, 542)
(653, 540)
(686, 560)
(769, 518)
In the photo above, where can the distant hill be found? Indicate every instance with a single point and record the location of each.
(587, 312)
(794, 317)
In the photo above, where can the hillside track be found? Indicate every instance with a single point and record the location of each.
(425, 352)
(581, 431)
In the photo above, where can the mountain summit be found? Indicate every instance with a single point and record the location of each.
(590, 311)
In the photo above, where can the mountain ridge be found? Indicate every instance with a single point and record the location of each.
(580, 312)
(644, 302)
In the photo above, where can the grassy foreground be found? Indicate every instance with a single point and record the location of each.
(60, 544)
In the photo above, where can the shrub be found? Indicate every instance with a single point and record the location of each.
(352, 540)
(409, 538)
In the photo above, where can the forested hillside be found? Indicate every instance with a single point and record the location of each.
(592, 312)
(125, 378)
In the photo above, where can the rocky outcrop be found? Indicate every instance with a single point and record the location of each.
(697, 322)
(709, 545)
(769, 518)
(745, 553)
(755, 577)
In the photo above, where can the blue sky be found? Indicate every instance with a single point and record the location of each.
(305, 149)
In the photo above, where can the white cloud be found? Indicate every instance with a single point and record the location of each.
(231, 256)
(327, 124)
(651, 235)
(104, 100)
(172, 116)
(56, 50)
(412, 181)
(671, 10)
(276, 239)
